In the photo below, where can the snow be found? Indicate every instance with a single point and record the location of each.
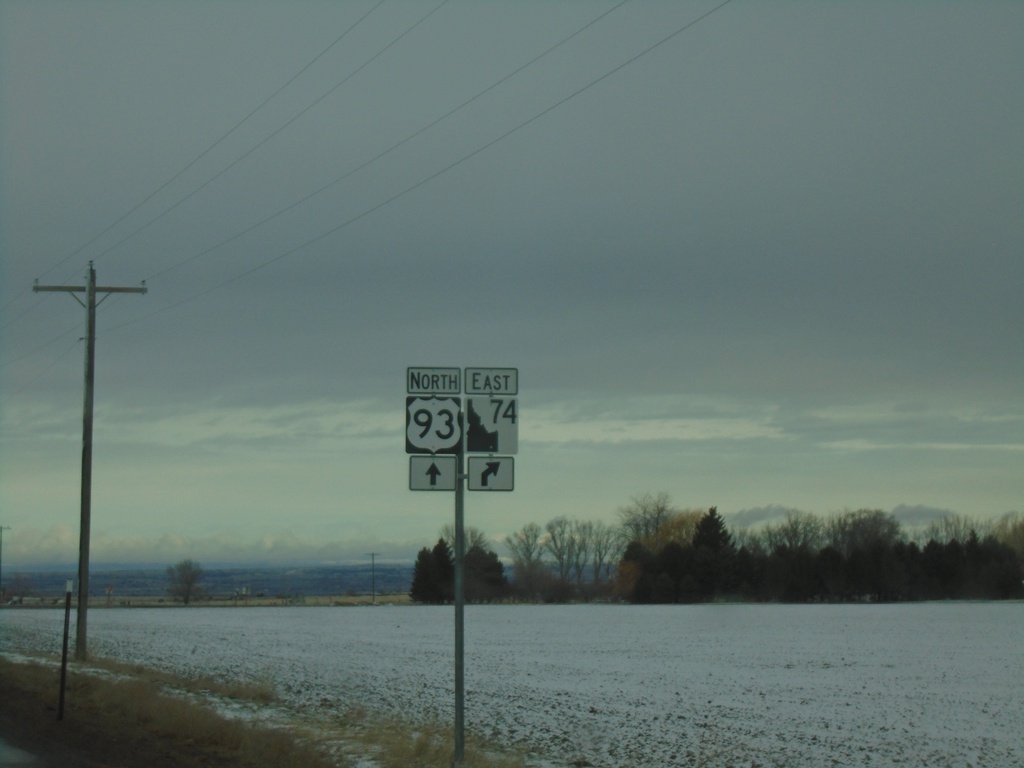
(937, 684)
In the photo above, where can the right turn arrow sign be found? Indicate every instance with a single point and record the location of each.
(491, 473)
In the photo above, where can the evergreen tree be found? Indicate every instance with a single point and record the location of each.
(712, 533)
(675, 564)
(484, 576)
(444, 564)
(433, 576)
(712, 556)
(424, 579)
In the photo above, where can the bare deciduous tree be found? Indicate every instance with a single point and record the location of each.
(644, 519)
(582, 533)
(184, 578)
(755, 542)
(798, 532)
(680, 527)
(952, 527)
(1009, 530)
(605, 548)
(527, 549)
(559, 544)
(474, 537)
(864, 529)
(526, 545)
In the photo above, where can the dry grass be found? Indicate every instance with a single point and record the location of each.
(259, 691)
(426, 746)
(141, 708)
(119, 704)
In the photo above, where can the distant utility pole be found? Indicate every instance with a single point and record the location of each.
(373, 577)
(2, 529)
(90, 289)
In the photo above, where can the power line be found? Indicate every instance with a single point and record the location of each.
(336, 181)
(206, 151)
(387, 151)
(46, 368)
(16, 318)
(37, 350)
(436, 174)
(195, 160)
(279, 130)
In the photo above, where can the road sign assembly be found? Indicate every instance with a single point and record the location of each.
(435, 437)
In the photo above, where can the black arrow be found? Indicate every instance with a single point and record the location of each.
(492, 470)
(434, 473)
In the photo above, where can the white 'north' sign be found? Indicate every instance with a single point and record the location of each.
(433, 381)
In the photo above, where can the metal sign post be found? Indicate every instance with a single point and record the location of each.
(64, 655)
(460, 611)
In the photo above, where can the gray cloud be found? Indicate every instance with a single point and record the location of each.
(802, 217)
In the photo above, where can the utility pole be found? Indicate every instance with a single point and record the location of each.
(2, 529)
(373, 577)
(90, 289)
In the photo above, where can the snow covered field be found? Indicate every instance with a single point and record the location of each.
(936, 684)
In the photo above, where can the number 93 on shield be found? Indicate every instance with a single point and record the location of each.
(433, 424)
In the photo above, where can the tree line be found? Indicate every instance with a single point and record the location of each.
(851, 556)
(660, 554)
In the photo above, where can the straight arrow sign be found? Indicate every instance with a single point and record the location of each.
(432, 473)
(491, 473)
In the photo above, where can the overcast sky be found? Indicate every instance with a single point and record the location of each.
(746, 254)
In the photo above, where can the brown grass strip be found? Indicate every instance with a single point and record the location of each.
(134, 723)
(126, 716)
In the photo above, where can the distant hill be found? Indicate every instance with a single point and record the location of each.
(909, 517)
(919, 516)
(751, 518)
(391, 578)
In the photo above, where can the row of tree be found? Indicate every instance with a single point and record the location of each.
(658, 553)
(859, 555)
